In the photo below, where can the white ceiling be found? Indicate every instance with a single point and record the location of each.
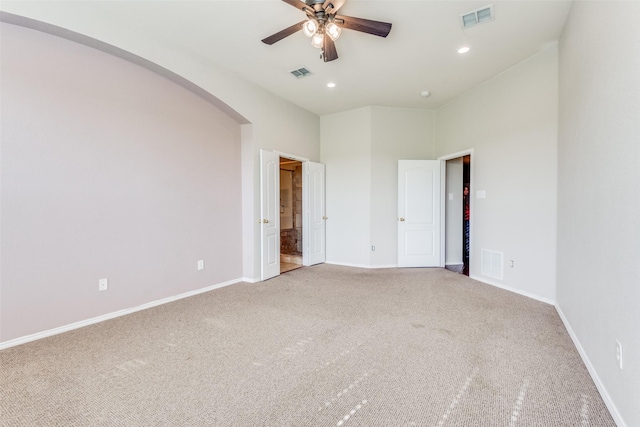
(419, 54)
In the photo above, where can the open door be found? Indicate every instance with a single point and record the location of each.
(269, 214)
(419, 213)
(315, 216)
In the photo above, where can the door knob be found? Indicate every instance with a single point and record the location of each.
(265, 221)
(324, 217)
(401, 219)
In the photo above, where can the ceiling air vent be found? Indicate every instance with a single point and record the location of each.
(478, 16)
(300, 72)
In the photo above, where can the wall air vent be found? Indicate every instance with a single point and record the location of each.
(478, 16)
(491, 264)
(300, 73)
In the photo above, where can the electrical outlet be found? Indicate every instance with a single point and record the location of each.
(619, 353)
(512, 263)
(373, 248)
(103, 285)
(201, 264)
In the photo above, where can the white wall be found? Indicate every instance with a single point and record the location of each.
(453, 212)
(361, 149)
(346, 153)
(107, 170)
(396, 134)
(599, 194)
(275, 124)
(511, 123)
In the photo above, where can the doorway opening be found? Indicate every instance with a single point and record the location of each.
(466, 213)
(458, 210)
(291, 230)
(304, 206)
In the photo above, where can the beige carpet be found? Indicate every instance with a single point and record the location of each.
(319, 346)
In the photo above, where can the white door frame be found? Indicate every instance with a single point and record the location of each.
(443, 172)
(305, 232)
(291, 156)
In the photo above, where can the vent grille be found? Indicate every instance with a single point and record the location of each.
(492, 264)
(478, 16)
(300, 73)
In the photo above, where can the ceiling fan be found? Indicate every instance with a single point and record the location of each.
(324, 25)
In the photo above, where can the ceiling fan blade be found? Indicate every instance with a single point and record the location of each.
(299, 5)
(332, 6)
(284, 33)
(368, 26)
(329, 49)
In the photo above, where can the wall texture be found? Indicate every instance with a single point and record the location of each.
(598, 194)
(510, 122)
(361, 149)
(107, 170)
(274, 124)
(346, 153)
(396, 134)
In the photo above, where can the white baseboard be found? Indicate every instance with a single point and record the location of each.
(479, 279)
(384, 266)
(592, 371)
(55, 331)
(514, 290)
(246, 279)
(346, 264)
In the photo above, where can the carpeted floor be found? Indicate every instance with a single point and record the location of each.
(319, 346)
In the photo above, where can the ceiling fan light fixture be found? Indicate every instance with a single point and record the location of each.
(322, 21)
(333, 31)
(317, 40)
(310, 27)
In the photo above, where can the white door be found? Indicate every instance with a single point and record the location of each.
(419, 213)
(314, 221)
(269, 214)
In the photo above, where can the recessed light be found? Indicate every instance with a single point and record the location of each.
(425, 93)
(464, 49)
(331, 84)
